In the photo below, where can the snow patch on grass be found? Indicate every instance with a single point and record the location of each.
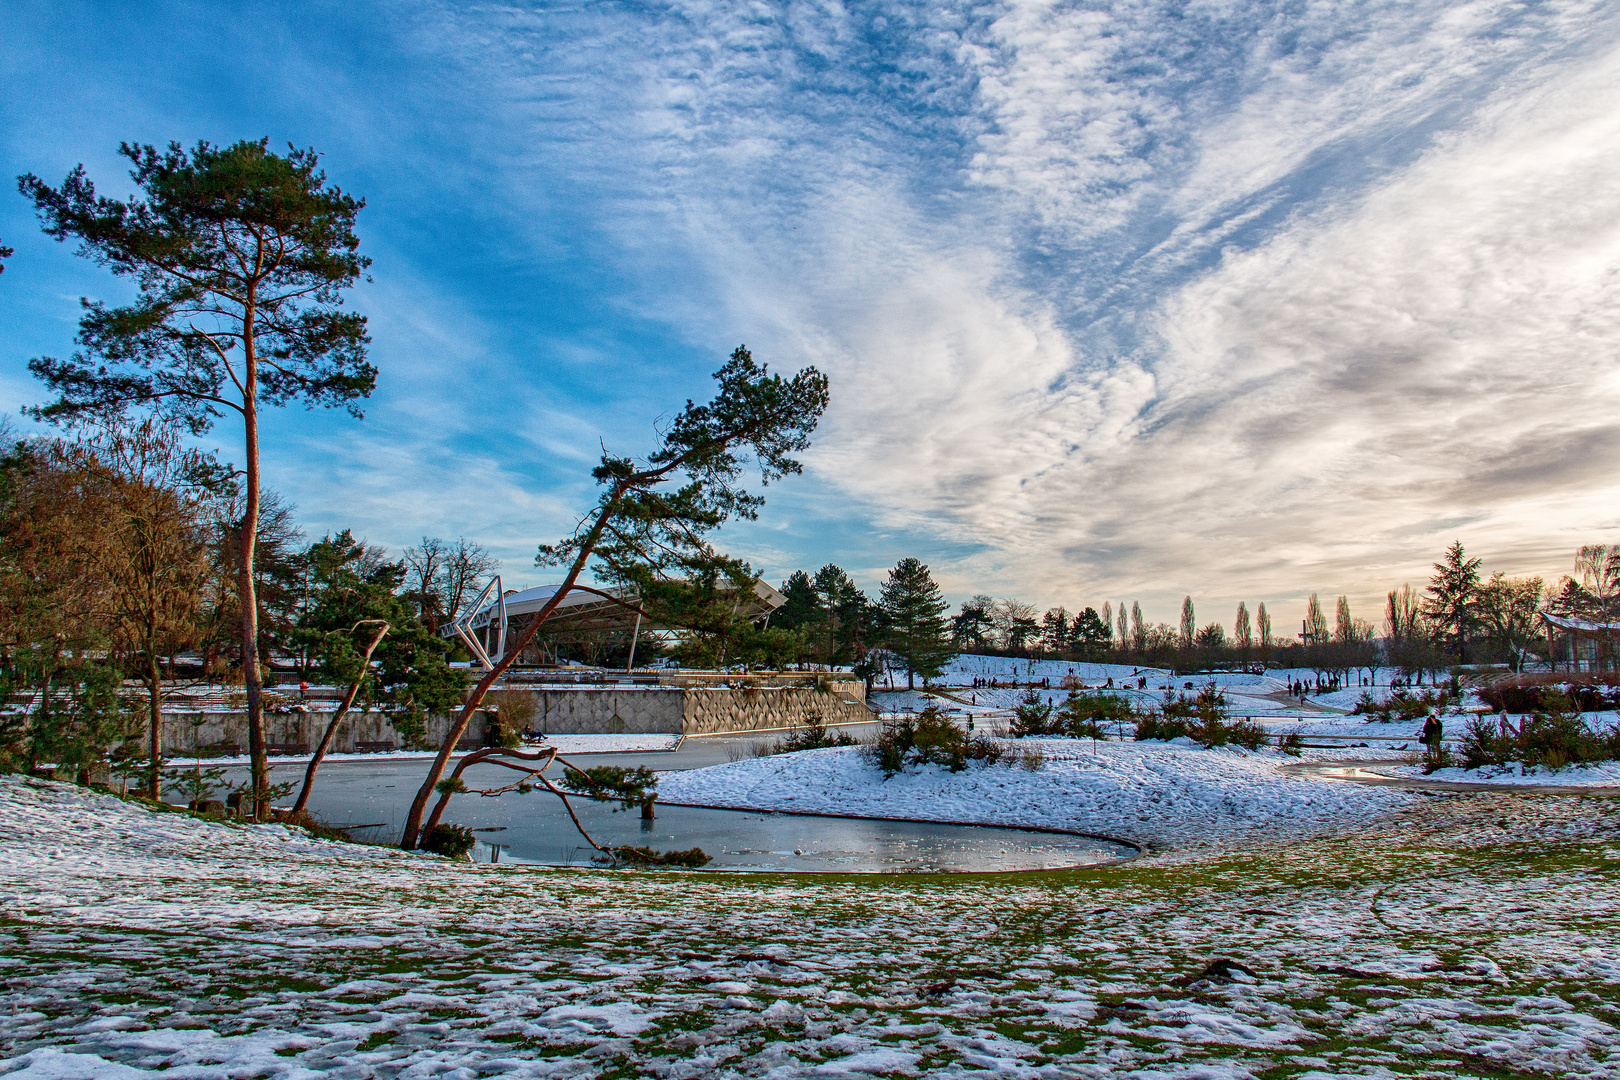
(1467, 936)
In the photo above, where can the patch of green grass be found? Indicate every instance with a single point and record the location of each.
(375, 1040)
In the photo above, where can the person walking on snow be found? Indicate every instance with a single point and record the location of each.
(1433, 732)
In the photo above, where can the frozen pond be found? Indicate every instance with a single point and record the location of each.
(535, 828)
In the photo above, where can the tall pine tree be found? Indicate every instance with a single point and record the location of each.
(1452, 603)
(914, 620)
(240, 257)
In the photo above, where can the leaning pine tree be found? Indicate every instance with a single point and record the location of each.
(240, 256)
(652, 516)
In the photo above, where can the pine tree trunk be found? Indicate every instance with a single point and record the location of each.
(336, 722)
(154, 685)
(414, 826)
(251, 683)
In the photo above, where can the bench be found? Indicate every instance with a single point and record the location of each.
(224, 749)
(383, 747)
(288, 748)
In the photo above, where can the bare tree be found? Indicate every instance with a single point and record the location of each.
(152, 551)
(467, 569)
(1316, 626)
(1508, 609)
(424, 565)
(1597, 566)
(1015, 623)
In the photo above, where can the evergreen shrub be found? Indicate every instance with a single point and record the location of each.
(1033, 716)
(1203, 719)
(1403, 706)
(1555, 737)
(1094, 715)
(929, 737)
(452, 841)
(811, 735)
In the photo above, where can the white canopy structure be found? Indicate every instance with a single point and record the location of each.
(1599, 639)
(586, 609)
(1580, 626)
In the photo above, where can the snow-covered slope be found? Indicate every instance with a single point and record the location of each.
(1168, 794)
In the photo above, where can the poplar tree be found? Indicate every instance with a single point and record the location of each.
(240, 257)
(1242, 633)
(1262, 623)
(1316, 628)
(1189, 624)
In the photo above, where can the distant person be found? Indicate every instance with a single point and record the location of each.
(303, 690)
(1433, 732)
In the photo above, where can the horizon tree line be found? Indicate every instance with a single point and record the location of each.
(1459, 617)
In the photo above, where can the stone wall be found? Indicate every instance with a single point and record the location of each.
(767, 708)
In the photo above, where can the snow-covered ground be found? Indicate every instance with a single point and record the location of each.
(1260, 697)
(1249, 694)
(1471, 936)
(1167, 794)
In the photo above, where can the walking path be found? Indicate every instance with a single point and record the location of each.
(1360, 772)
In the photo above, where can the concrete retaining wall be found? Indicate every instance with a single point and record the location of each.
(606, 710)
(630, 710)
(212, 728)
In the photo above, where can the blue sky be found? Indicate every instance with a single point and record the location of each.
(1120, 301)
